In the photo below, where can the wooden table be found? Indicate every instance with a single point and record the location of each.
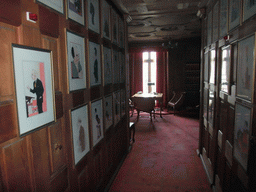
(156, 96)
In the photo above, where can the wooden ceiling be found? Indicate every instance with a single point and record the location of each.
(161, 20)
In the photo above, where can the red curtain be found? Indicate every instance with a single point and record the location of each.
(135, 59)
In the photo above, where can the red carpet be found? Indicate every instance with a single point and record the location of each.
(163, 157)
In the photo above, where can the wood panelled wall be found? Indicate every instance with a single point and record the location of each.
(219, 114)
(43, 160)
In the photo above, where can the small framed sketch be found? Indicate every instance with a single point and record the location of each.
(34, 87)
(121, 32)
(93, 15)
(116, 103)
(212, 67)
(116, 67)
(54, 4)
(115, 27)
(211, 109)
(234, 13)
(224, 17)
(122, 67)
(245, 77)
(76, 61)
(249, 9)
(106, 19)
(123, 103)
(225, 69)
(206, 66)
(241, 134)
(107, 66)
(108, 111)
(76, 10)
(97, 121)
(80, 132)
(95, 64)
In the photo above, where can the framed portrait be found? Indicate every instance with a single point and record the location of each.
(234, 13)
(107, 66)
(206, 67)
(97, 121)
(80, 132)
(76, 61)
(116, 104)
(224, 17)
(245, 68)
(209, 28)
(211, 109)
(212, 67)
(34, 87)
(121, 32)
(249, 9)
(95, 64)
(76, 10)
(205, 109)
(115, 27)
(57, 5)
(93, 15)
(116, 67)
(122, 67)
(123, 103)
(242, 134)
(106, 19)
(108, 111)
(225, 69)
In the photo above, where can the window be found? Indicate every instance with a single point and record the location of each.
(149, 72)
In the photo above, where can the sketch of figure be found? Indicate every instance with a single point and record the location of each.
(98, 126)
(95, 72)
(81, 135)
(76, 6)
(77, 71)
(92, 12)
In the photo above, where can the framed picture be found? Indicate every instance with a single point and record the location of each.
(76, 61)
(241, 134)
(234, 13)
(209, 28)
(122, 67)
(225, 69)
(57, 5)
(93, 15)
(115, 27)
(108, 111)
(224, 17)
(107, 66)
(97, 121)
(76, 10)
(123, 103)
(116, 67)
(121, 32)
(249, 9)
(116, 103)
(215, 22)
(95, 64)
(212, 67)
(106, 19)
(245, 68)
(206, 67)
(205, 109)
(211, 109)
(80, 132)
(34, 87)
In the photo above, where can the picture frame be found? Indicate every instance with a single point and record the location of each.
(209, 28)
(211, 109)
(106, 26)
(123, 103)
(116, 67)
(93, 15)
(206, 66)
(115, 25)
(249, 7)
(225, 69)
(80, 132)
(33, 72)
(234, 14)
(212, 67)
(224, 17)
(116, 105)
(97, 121)
(242, 134)
(245, 66)
(122, 67)
(215, 22)
(107, 65)
(57, 5)
(108, 111)
(75, 11)
(76, 61)
(95, 64)
(205, 109)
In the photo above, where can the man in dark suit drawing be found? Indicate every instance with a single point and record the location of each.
(38, 89)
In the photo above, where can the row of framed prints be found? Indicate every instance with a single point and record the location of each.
(75, 12)
(114, 67)
(80, 123)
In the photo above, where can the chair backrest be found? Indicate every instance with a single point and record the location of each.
(144, 104)
(177, 99)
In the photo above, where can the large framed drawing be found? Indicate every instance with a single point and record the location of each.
(76, 61)
(54, 4)
(211, 109)
(107, 66)
(80, 132)
(212, 66)
(225, 69)
(97, 121)
(115, 27)
(116, 67)
(106, 19)
(224, 17)
(249, 9)
(116, 104)
(241, 134)
(34, 87)
(206, 66)
(76, 10)
(95, 64)
(108, 111)
(245, 77)
(234, 13)
(93, 15)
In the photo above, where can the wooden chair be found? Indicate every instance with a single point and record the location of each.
(146, 105)
(177, 100)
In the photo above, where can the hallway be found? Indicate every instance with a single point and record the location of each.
(163, 157)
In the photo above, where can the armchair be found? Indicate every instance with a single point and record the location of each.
(177, 100)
